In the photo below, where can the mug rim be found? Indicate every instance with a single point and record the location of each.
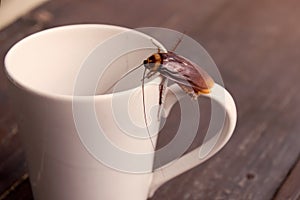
(14, 80)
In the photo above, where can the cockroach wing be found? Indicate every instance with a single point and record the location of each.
(187, 74)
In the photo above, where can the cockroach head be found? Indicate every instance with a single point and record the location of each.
(153, 62)
(149, 62)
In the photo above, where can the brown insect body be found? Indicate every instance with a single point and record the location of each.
(188, 75)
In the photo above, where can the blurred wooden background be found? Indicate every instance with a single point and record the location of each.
(255, 44)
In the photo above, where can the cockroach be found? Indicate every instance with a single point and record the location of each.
(171, 66)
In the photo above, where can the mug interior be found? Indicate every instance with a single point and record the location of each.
(49, 62)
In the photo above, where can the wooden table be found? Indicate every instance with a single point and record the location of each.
(255, 44)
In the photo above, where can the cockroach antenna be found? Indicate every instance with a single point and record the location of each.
(155, 44)
(144, 108)
(123, 76)
(179, 41)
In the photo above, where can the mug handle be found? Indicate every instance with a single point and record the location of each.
(218, 95)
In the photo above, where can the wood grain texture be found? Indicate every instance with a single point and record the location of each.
(256, 47)
(290, 187)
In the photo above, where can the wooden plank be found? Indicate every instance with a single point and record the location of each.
(20, 190)
(12, 163)
(253, 52)
(290, 189)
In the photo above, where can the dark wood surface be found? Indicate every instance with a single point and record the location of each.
(255, 44)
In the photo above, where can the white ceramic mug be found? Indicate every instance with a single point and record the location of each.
(63, 160)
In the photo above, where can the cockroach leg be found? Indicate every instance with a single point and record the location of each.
(162, 87)
(150, 74)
